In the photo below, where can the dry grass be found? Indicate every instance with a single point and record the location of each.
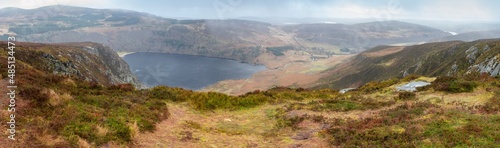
(426, 79)
(293, 69)
(252, 127)
(68, 82)
(50, 140)
(475, 98)
(384, 52)
(83, 143)
(56, 99)
(102, 131)
(134, 129)
(388, 63)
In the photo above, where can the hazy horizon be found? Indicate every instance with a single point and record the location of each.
(483, 11)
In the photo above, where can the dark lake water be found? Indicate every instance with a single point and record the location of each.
(186, 71)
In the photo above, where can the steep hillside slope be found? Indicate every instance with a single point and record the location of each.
(87, 61)
(68, 94)
(432, 59)
(243, 40)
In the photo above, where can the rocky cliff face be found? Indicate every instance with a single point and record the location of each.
(88, 61)
(490, 64)
(116, 68)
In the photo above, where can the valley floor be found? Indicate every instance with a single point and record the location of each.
(294, 69)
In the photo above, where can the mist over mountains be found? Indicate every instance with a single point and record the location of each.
(243, 40)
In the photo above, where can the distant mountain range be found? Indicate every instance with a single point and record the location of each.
(242, 40)
(471, 36)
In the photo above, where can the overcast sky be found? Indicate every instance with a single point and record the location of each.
(456, 10)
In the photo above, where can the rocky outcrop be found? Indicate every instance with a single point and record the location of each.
(117, 70)
(87, 61)
(60, 67)
(472, 54)
(490, 66)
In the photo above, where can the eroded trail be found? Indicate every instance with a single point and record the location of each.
(242, 128)
(164, 136)
(188, 128)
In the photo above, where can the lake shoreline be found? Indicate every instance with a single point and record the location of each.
(123, 54)
(193, 72)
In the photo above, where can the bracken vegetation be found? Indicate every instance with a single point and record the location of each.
(413, 122)
(76, 109)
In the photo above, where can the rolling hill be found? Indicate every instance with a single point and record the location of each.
(364, 35)
(431, 59)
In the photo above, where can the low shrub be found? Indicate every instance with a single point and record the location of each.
(163, 93)
(123, 87)
(462, 86)
(318, 118)
(406, 96)
(120, 129)
(424, 88)
(35, 95)
(283, 120)
(492, 105)
(477, 76)
(213, 100)
(453, 84)
(394, 128)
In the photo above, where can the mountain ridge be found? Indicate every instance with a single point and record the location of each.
(471, 36)
(85, 60)
(242, 40)
(430, 59)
